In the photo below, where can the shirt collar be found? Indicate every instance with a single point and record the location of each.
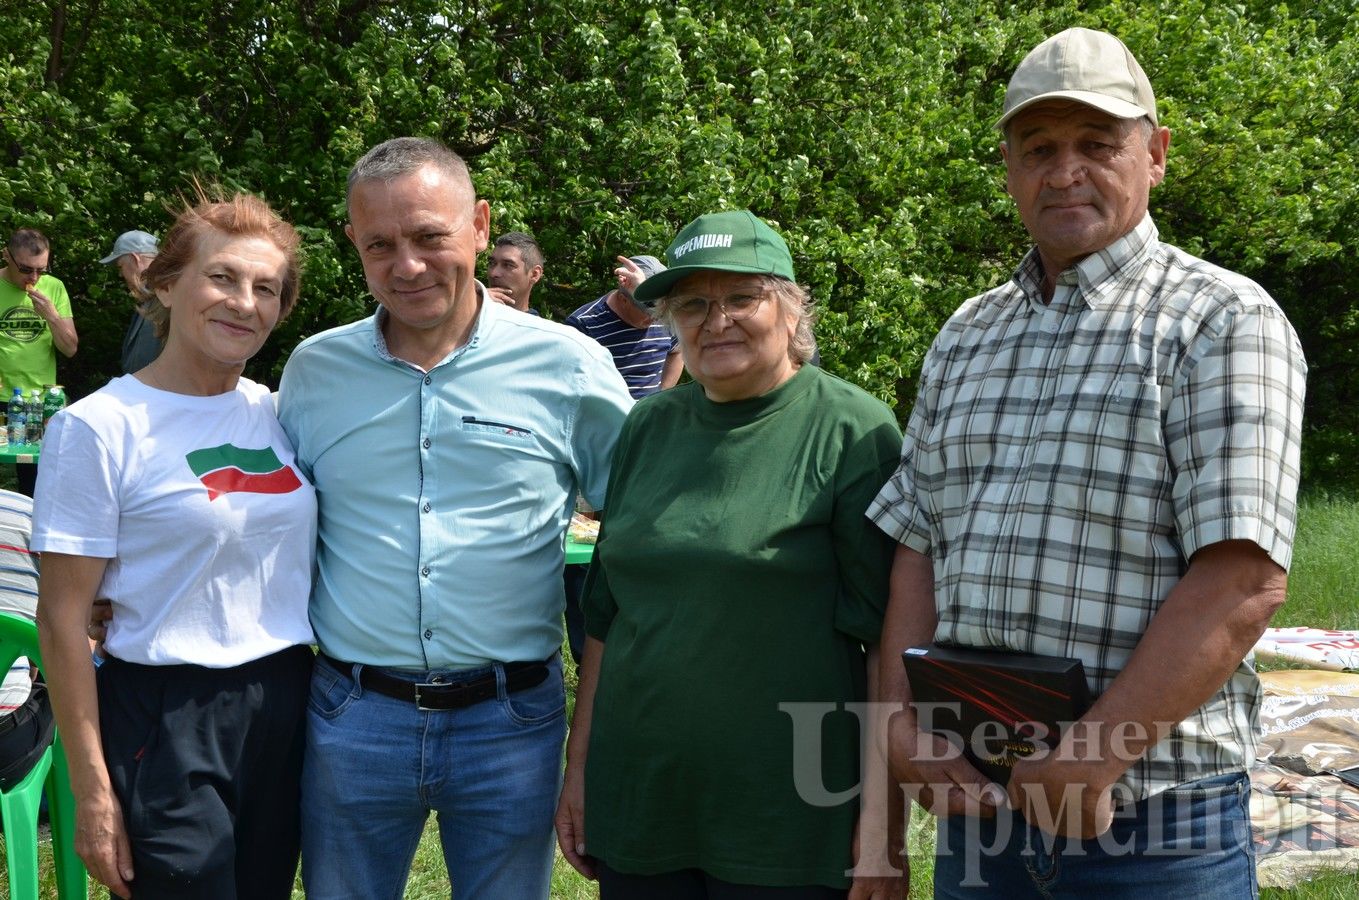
(1097, 274)
(485, 319)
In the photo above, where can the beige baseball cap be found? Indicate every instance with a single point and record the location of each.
(1090, 67)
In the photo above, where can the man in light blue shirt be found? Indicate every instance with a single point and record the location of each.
(447, 436)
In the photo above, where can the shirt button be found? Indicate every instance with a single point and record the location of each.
(429, 380)
(425, 570)
(426, 507)
(428, 634)
(427, 443)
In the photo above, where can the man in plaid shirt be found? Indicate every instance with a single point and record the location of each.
(1102, 464)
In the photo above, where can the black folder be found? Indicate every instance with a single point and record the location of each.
(999, 706)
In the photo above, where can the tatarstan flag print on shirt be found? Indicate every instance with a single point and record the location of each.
(229, 469)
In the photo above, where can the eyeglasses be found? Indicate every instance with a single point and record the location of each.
(23, 269)
(690, 311)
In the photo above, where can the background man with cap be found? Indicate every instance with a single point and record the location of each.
(35, 322)
(1102, 463)
(133, 252)
(26, 723)
(644, 352)
(516, 265)
(648, 358)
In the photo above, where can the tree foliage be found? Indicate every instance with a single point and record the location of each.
(863, 129)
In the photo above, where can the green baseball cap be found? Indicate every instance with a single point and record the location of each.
(724, 241)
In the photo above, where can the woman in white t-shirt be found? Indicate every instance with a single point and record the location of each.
(172, 493)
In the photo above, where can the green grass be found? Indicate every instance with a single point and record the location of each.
(1323, 582)
(1322, 592)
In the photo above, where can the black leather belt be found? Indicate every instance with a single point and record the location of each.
(436, 696)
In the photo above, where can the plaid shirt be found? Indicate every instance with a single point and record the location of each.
(1064, 461)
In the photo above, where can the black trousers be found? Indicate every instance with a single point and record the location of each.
(573, 577)
(26, 474)
(24, 735)
(207, 764)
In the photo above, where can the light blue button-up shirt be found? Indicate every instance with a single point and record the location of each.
(444, 496)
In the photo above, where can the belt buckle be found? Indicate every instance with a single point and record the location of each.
(419, 699)
(443, 689)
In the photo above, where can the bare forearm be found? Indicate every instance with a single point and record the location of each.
(67, 589)
(882, 808)
(579, 738)
(64, 335)
(1193, 643)
(881, 832)
(1192, 646)
(63, 327)
(70, 676)
(910, 621)
(942, 782)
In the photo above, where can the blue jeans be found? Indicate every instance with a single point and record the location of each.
(1191, 841)
(376, 766)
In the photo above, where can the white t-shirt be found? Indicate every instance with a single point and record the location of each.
(208, 526)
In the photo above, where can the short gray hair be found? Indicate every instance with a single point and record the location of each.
(404, 155)
(793, 299)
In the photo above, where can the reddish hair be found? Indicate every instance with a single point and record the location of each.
(243, 215)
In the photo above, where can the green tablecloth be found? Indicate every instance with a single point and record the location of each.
(24, 453)
(578, 554)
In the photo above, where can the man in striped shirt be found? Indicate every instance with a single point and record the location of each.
(26, 723)
(645, 354)
(648, 358)
(1102, 464)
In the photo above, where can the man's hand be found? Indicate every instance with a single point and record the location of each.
(935, 774)
(64, 336)
(501, 295)
(101, 842)
(881, 870)
(42, 305)
(629, 275)
(570, 821)
(1065, 791)
(101, 614)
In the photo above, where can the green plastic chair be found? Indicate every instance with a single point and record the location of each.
(19, 805)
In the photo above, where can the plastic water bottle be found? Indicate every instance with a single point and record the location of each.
(17, 418)
(34, 424)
